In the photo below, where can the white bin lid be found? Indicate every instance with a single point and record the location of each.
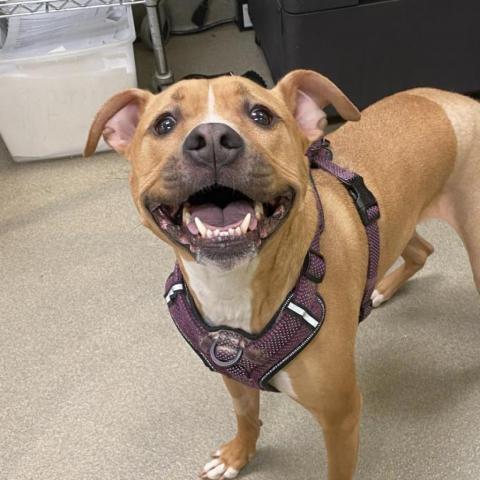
(63, 33)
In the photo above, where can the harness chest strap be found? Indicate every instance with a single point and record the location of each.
(255, 359)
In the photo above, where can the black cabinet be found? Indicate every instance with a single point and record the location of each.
(372, 48)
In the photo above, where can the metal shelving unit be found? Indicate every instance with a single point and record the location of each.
(162, 76)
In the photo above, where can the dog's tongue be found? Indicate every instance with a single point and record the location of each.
(215, 216)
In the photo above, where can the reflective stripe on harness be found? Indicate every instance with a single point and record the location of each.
(173, 291)
(304, 314)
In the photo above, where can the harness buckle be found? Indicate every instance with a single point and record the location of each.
(363, 199)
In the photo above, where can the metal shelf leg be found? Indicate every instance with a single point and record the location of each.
(162, 76)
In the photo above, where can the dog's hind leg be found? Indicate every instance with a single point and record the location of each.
(467, 225)
(415, 255)
(472, 242)
(234, 455)
(459, 203)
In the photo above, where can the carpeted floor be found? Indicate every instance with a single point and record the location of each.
(96, 384)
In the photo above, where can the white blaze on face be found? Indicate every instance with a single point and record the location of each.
(212, 116)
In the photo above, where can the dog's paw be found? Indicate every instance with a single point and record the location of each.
(217, 470)
(228, 461)
(377, 298)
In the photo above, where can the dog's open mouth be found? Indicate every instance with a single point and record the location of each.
(221, 221)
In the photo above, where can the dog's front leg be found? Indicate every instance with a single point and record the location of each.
(234, 455)
(339, 417)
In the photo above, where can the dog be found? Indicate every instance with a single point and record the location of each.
(225, 151)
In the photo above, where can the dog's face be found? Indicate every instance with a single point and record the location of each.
(218, 166)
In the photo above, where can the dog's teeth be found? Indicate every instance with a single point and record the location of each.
(224, 234)
(238, 231)
(216, 232)
(186, 216)
(209, 233)
(201, 227)
(259, 210)
(231, 232)
(245, 223)
(279, 211)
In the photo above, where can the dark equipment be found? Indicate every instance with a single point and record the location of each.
(372, 48)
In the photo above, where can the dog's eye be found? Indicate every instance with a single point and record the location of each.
(165, 124)
(261, 115)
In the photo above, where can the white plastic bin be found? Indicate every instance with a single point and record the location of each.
(48, 102)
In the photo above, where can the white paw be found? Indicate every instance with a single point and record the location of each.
(377, 298)
(216, 470)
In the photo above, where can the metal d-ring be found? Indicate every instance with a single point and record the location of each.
(222, 363)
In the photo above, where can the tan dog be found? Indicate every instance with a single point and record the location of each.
(419, 153)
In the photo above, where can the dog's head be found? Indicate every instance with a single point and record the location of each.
(218, 166)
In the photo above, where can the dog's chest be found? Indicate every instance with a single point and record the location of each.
(225, 297)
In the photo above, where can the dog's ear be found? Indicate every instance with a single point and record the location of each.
(306, 94)
(117, 120)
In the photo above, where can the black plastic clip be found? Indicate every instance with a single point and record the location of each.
(363, 198)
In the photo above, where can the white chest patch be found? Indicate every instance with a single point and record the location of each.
(281, 381)
(225, 296)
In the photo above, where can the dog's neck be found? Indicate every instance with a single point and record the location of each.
(223, 296)
(248, 296)
(281, 262)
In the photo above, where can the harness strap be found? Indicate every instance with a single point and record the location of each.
(320, 156)
(314, 264)
(254, 359)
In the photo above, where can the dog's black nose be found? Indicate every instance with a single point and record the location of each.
(213, 144)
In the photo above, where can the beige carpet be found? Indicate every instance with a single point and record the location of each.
(96, 384)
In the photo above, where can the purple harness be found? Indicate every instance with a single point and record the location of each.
(254, 359)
